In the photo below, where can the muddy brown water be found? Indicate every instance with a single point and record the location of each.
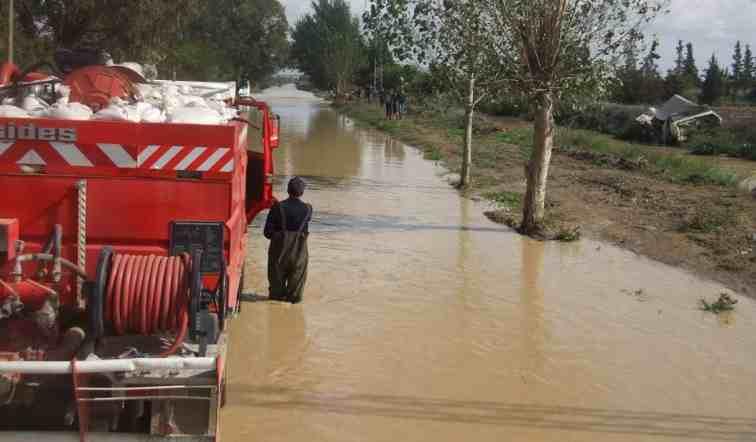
(423, 321)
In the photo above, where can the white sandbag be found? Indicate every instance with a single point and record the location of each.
(170, 102)
(195, 115)
(10, 111)
(63, 93)
(169, 89)
(34, 106)
(193, 101)
(149, 92)
(112, 113)
(152, 115)
(70, 111)
(217, 105)
(117, 101)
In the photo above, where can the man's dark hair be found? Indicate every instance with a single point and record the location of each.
(296, 187)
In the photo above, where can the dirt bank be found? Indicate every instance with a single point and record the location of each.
(684, 212)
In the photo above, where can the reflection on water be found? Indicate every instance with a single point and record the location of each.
(424, 321)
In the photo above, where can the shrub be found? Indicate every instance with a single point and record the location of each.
(507, 107)
(612, 119)
(735, 142)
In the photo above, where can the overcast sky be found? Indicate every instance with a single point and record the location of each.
(713, 26)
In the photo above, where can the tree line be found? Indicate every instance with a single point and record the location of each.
(185, 39)
(639, 80)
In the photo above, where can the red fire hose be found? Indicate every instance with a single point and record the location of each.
(149, 294)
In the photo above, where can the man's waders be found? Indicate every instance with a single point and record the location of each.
(287, 261)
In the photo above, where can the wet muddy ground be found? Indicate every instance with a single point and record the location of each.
(423, 320)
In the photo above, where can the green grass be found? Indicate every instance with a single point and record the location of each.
(724, 303)
(505, 199)
(521, 137)
(456, 132)
(433, 153)
(709, 220)
(734, 142)
(672, 167)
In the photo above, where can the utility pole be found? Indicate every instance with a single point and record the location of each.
(11, 25)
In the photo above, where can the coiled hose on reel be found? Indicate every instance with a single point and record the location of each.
(143, 294)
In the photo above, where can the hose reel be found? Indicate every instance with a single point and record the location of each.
(149, 295)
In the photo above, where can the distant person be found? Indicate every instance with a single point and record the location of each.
(395, 106)
(402, 103)
(287, 228)
(389, 103)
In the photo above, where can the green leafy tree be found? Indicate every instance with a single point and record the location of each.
(652, 84)
(737, 77)
(328, 45)
(562, 49)
(690, 70)
(680, 60)
(194, 39)
(674, 83)
(749, 70)
(714, 84)
(630, 79)
(455, 38)
(250, 35)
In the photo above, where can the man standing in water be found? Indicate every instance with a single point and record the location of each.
(287, 229)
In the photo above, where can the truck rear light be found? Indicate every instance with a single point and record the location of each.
(8, 238)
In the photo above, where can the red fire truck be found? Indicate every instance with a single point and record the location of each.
(122, 249)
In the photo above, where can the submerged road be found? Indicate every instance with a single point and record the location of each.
(423, 321)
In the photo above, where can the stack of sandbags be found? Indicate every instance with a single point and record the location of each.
(175, 103)
(11, 111)
(70, 111)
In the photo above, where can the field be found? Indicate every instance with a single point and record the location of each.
(664, 203)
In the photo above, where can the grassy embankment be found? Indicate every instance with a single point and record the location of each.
(664, 203)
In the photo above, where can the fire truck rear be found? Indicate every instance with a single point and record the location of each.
(122, 250)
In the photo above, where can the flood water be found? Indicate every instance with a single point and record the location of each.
(423, 321)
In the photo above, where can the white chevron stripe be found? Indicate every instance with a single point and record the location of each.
(214, 158)
(229, 166)
(5, 145)
(168, 156)
(193, 155)
(32, 158)
(146, 154)
(71, 154)
(118, 155)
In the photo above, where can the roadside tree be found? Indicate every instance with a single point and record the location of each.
(455, 38)
(562, 48)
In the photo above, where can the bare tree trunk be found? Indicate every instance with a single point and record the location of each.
(537, 170)
(465, 175)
